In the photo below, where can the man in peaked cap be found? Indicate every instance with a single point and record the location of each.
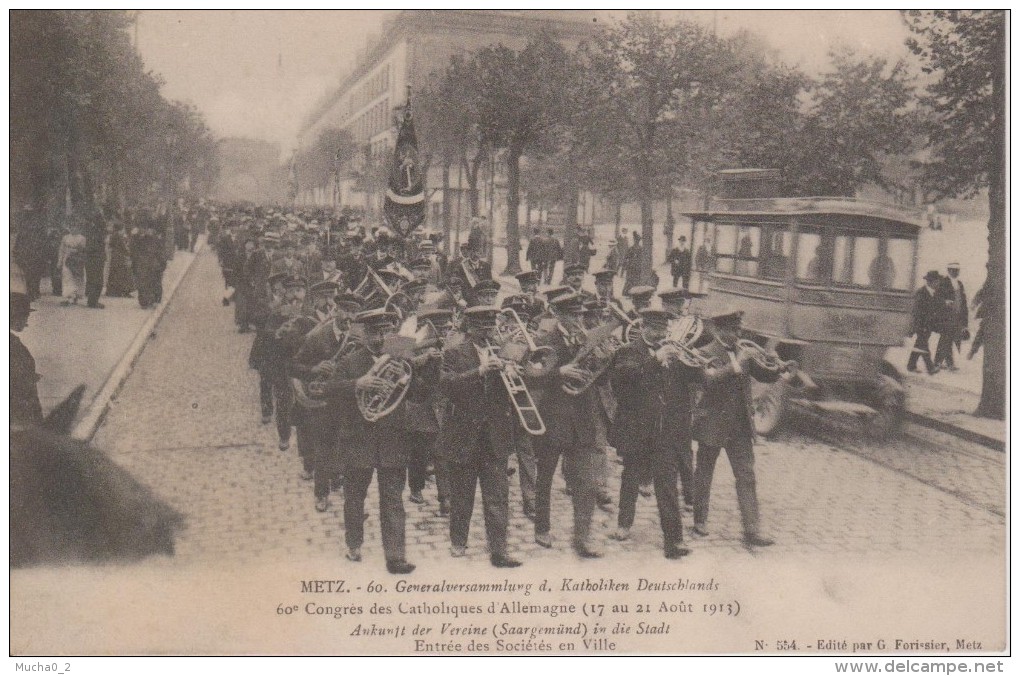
(604, 284)
(315, 361)
(723, 418)
(485, 292)
(573, 276)
(569, 432)
(477, 435)
(381, 447)
(652, 425)
(678, 301)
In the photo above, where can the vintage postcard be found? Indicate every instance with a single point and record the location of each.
(509, 332)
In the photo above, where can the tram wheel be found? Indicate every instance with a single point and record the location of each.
(768, 403)
(891, 405)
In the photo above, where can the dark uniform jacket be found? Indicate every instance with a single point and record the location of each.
(724, 410)
(569, 419)
(654, 403)
(363, 444)
(473, 404)
(25, 406)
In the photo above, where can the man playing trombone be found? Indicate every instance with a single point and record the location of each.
(477, 434)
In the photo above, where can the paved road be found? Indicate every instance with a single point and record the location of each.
(187, 423)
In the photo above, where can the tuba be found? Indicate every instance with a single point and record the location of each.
(377, 403)
(394, 366)
(598, 346)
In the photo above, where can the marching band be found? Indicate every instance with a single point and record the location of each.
(390, 361)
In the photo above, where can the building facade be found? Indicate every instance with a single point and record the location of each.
(413, 45)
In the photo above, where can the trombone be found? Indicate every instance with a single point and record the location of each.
(539, 360)
(520, 396)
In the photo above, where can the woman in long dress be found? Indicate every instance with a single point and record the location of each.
(71, 259)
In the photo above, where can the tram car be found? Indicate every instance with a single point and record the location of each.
(825, 281)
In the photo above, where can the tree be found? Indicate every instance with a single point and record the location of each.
(520, 97)
(966, 130)
(648, 72)
(857, 116)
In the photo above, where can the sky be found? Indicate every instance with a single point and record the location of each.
(257, 73)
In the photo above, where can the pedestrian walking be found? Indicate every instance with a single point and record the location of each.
(71, 260)
(955, 320)
(679, 259)
(929, 309)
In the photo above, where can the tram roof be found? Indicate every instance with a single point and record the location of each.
(810, 206)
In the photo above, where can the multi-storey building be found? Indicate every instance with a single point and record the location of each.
(413, 44)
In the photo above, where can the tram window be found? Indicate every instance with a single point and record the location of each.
(811, 257)
(737, 249)
(725, 247)
(867, 262)
(702, 247)
(748, 247)
(900, 257)
(843, 260)
(776, 254)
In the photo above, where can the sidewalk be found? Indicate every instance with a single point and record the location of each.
(75, 344)
(950, 397)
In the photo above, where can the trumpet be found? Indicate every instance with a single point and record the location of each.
(766, 359)
(520, 396)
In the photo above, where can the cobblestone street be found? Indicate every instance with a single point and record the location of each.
(187, 424)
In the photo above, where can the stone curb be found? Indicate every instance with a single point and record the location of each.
(86, 428)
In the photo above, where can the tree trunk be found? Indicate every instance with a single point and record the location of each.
(570, 229)
(993, 386)
(670, 222)
(471, 171)
(513, 200)
(617, 220)
(446, 206)
(527, 216)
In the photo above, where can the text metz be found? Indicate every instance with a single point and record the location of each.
(322, 586)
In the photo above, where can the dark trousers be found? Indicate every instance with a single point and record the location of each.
(579, 469)
(94, 278)
(527, 468)
(490, 472)
(921, 351)
(391, 508)
(418, 464)
(327, 459)
(944, 349)
(685, 276)
(274, 389)
(305, 446)
(666, 496)
(547, 271)
(740, 453)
